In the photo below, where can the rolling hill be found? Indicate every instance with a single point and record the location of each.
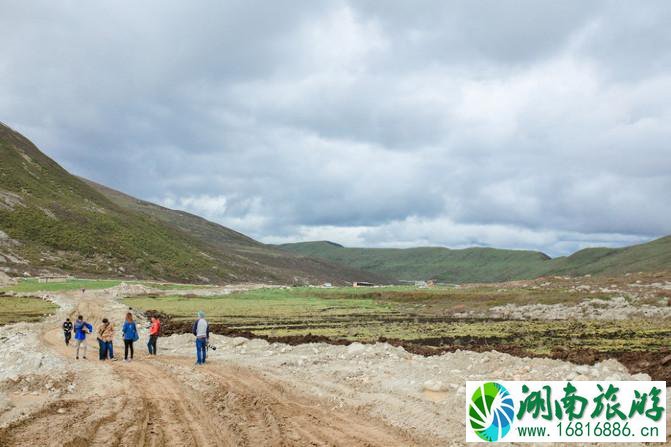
(489, 264)
(51, 220)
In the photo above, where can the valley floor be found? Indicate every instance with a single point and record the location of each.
(252, 393)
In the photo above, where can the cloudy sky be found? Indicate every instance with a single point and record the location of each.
(540, 125)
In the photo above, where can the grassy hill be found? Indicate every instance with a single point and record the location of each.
(652, 256)
(489, 264)
(52, 220)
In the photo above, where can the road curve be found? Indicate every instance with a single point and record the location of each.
(167, 401)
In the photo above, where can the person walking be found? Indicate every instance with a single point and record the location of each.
(105, 337)
(154, 330)
(201, 329)
(81, 329)
(130, 336)
(67, 331)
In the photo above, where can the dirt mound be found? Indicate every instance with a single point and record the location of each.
(6, 280)
(413, 392)
(617, 308)
(124, 289)
(647, 362)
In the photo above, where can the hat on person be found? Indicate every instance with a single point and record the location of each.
(201, 314)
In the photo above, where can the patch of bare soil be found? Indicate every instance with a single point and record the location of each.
(167, 401)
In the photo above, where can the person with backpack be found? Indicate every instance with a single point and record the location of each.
(81, 329)
(105, 337)
(67, 331)
(130, 336)
(201, 329)
(154, 331)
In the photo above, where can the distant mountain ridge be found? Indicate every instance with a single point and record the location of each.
(51, 220)
(489, 264)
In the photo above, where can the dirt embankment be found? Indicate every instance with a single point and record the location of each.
(47, 398)
(656, 364)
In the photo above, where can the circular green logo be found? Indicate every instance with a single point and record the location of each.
(491, 411)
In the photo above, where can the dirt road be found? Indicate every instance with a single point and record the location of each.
(167, 401)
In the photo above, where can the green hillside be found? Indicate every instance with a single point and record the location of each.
(288, 268)
(51, 220)
(652, 256)
(489, 264)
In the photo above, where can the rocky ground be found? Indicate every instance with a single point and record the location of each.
(641, 295)
(252, 392)
(617, 308)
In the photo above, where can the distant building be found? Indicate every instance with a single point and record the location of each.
(362, 284)
(327, 285)
(53, 278)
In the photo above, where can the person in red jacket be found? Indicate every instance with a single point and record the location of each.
(154, 330)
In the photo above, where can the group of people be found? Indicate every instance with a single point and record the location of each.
(105, 335)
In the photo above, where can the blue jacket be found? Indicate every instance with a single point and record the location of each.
(79, 329)
(130, 331)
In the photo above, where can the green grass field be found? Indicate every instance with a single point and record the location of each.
(303, 303)
(263, 304)
(15, 309)
(425, 316)
(31, 285)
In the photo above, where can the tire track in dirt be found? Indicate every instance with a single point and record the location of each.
(166, 401)
(258, 411)
(175, 415)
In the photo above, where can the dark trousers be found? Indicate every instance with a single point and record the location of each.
(68, 336)
(106, 350)
(127, 346)
(151, 344)
(102, 349)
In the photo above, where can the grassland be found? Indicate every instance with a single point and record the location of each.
(425, 317)
(15, 309)
(490, 264)
(50, 219)
(31, 285)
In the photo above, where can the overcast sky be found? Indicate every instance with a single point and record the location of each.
(540, 125)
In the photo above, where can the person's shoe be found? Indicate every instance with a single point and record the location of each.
(76, 358)
(84, 357)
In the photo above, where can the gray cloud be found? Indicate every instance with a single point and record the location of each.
(526, 125)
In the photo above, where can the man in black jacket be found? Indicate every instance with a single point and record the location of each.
(67, 331)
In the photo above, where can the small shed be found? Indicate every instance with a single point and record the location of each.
(52, 278)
